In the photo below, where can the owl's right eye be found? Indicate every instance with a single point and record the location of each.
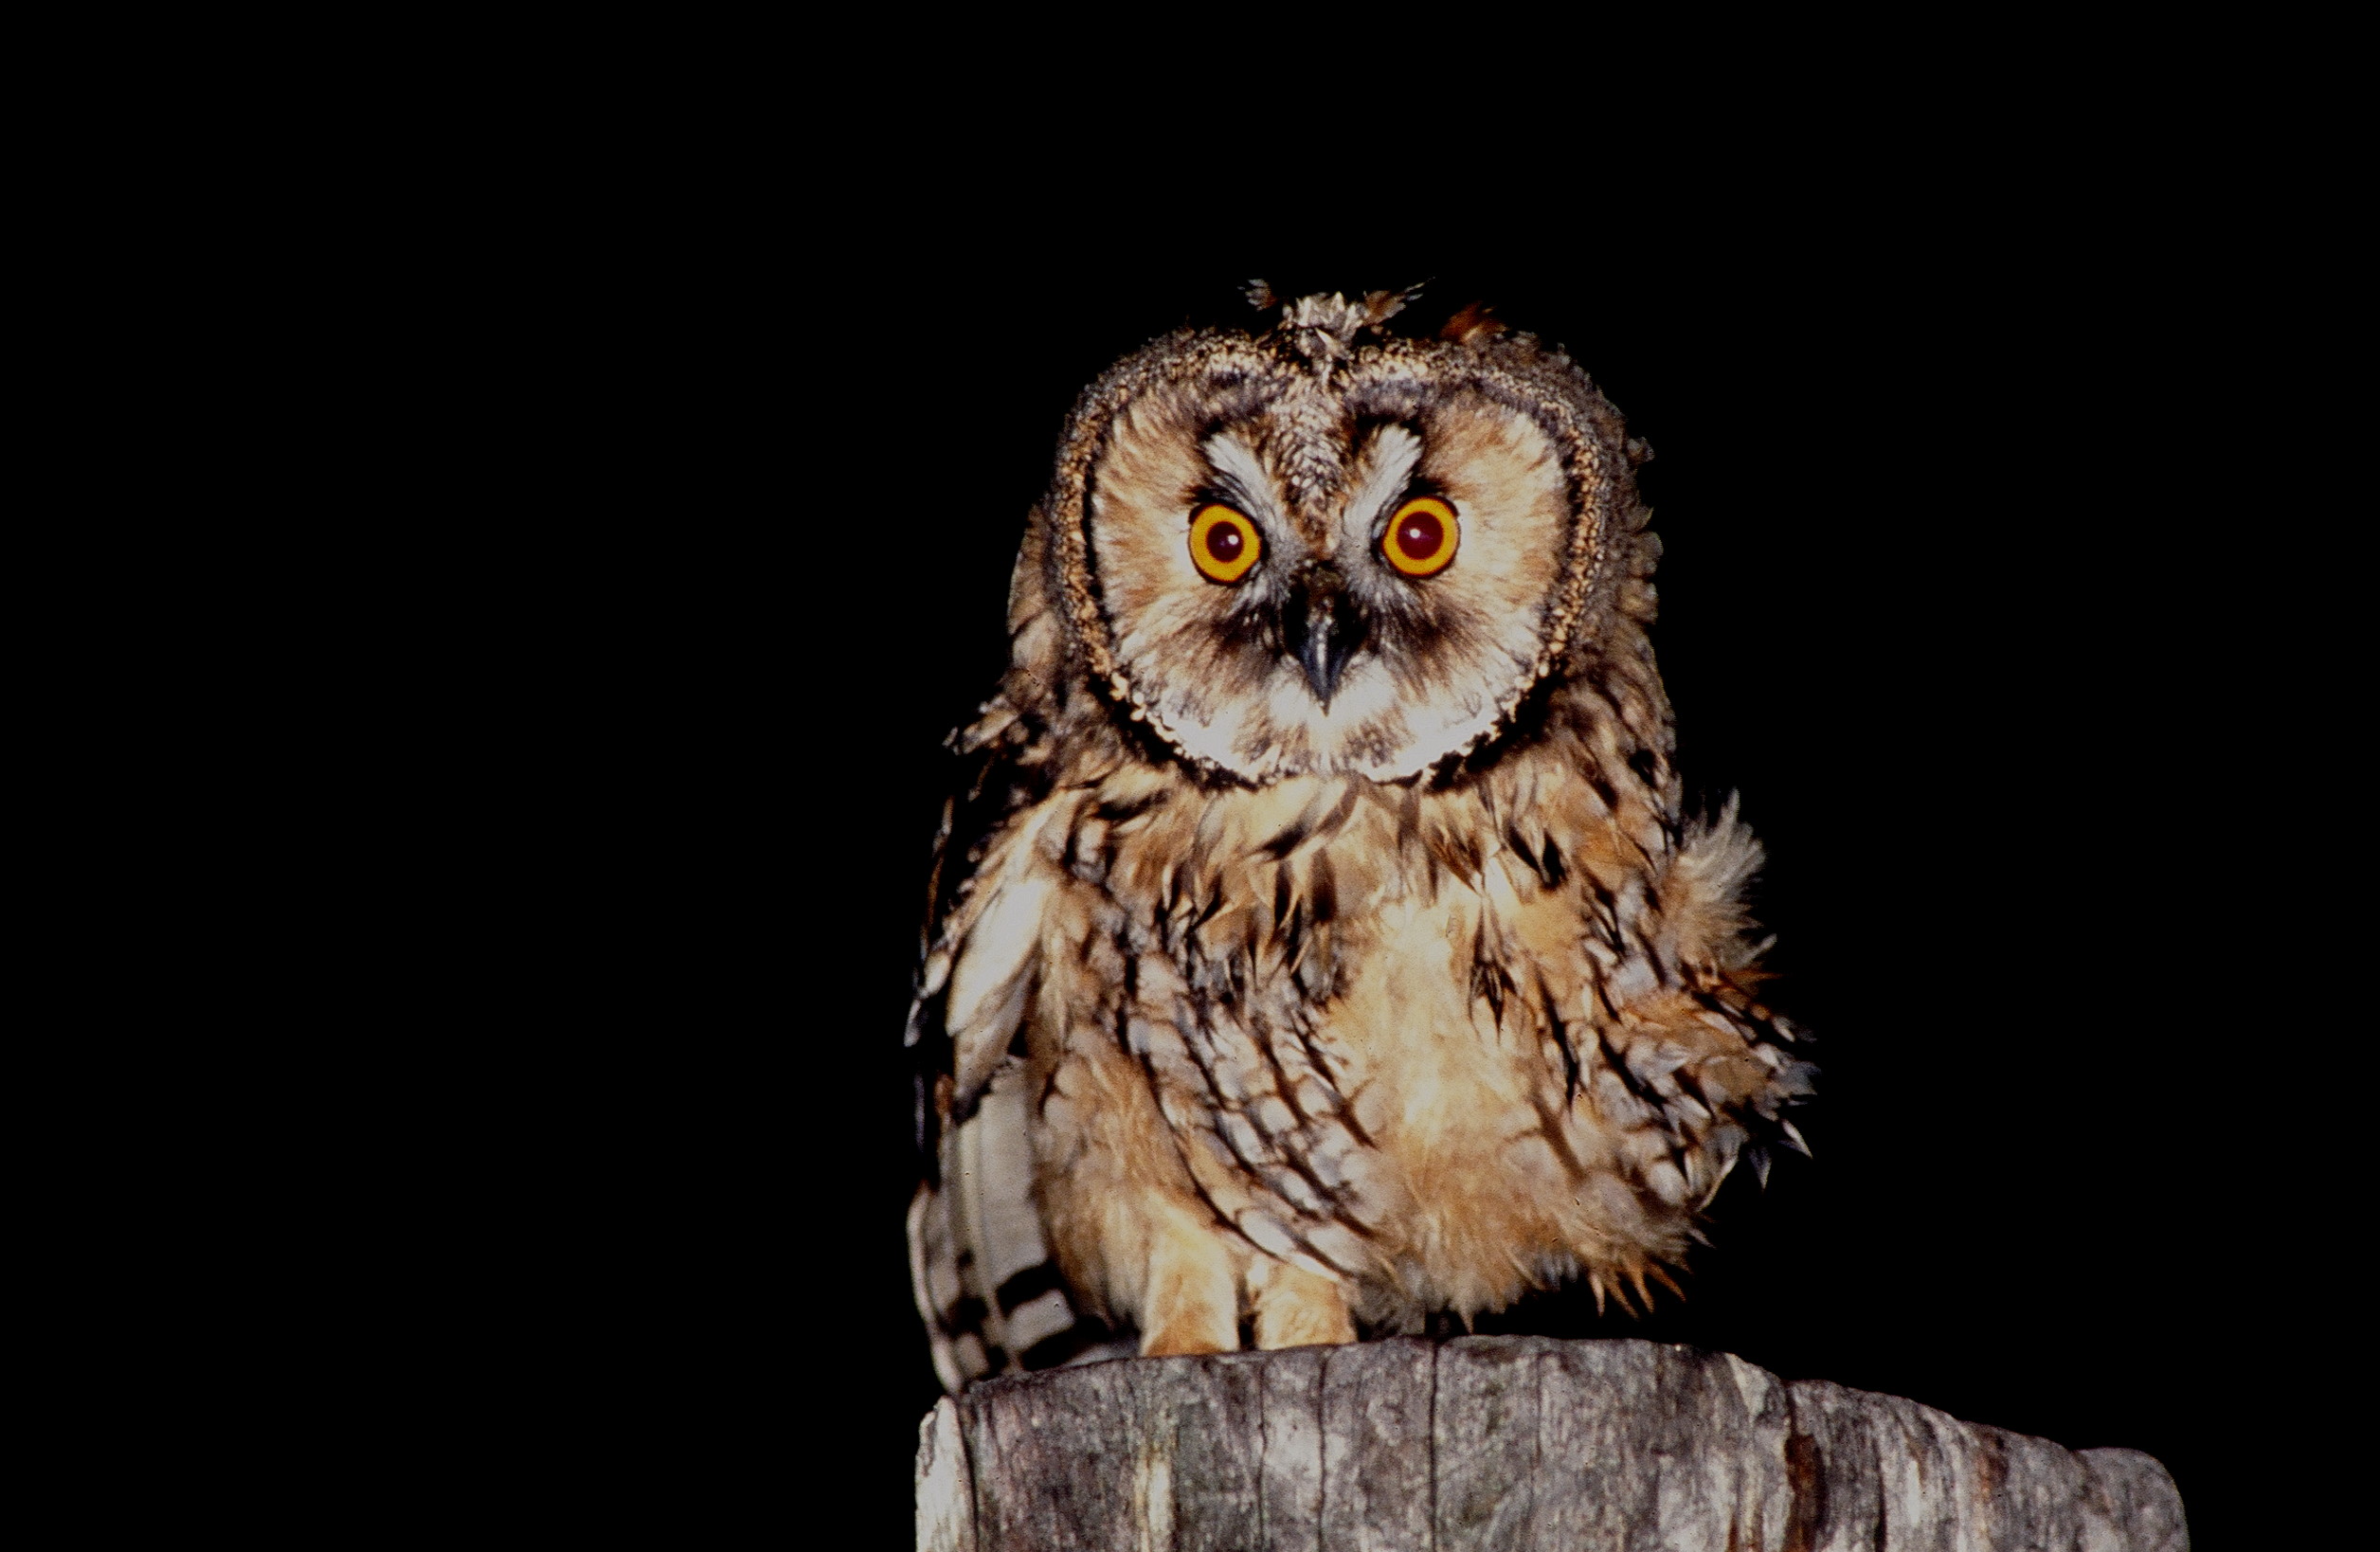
(1223, 543)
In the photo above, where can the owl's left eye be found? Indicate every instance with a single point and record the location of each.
(1223, 543)
(1422, 537)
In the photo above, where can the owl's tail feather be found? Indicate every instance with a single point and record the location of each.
(982, 1275)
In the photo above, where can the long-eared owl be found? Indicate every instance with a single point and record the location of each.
(1317, 942)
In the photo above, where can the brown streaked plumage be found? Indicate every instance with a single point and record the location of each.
(1312, 953)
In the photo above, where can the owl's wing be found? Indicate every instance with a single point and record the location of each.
(1688, 1057)
(980, 1265)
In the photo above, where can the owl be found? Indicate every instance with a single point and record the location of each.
(1317, 945)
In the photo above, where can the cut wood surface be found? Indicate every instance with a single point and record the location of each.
(1502, 1442)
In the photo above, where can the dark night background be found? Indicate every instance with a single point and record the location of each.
(1950, 487)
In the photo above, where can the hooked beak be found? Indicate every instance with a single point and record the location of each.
(1321, 628)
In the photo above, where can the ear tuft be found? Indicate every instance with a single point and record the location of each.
(1380, 306)
(1475, 326)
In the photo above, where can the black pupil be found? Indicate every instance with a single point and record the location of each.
(1418, 536)
(1224, 542)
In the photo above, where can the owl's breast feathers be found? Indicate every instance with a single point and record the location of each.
(1439, 1041)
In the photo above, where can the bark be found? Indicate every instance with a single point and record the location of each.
(1502, 1442)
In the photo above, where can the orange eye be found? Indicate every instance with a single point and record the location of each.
(1420, 540)
(1223, 543)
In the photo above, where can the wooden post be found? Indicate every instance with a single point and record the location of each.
(1502, 1442)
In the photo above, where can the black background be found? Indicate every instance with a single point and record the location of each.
(1958, 503)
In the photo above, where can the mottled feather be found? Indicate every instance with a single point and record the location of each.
(1248, 1012)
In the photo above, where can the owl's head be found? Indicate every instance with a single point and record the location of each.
(1325, 550)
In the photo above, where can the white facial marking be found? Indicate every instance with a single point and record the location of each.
(1390, 459)
(1204, 664)
(1230, 456)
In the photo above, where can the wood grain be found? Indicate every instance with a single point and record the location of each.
(1503, 1443)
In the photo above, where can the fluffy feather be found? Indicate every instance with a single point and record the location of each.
(1248, 1015)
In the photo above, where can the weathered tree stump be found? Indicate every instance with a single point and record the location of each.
(1502, 1442)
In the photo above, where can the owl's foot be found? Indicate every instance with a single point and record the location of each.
(1193, 1299)
(1299, 1309)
